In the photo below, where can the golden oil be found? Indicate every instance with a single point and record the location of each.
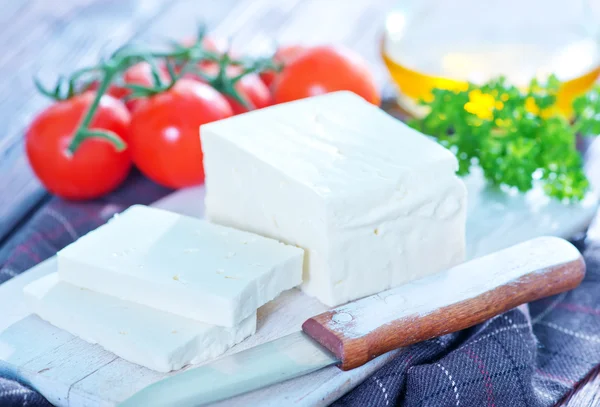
(440, 44)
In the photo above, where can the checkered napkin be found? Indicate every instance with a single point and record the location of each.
(53, 226)
(531, 356)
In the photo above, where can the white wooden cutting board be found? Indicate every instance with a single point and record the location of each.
(71, 372)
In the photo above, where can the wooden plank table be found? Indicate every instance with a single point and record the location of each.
(43, 38)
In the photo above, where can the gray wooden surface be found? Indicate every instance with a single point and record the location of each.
(44, 38)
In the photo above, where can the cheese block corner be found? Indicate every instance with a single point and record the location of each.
(373, 202)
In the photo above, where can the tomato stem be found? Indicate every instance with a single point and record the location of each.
(141, 91)
(43, 90)
(83, 132)
(226, 85)
(184, 58)
(111, 137)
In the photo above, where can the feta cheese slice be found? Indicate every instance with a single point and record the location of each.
(373, 202)
(182, 265)
(155, 339)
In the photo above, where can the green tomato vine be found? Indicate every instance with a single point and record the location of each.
(178, 59)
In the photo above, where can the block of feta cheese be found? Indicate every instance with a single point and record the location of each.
(183, 265)
(155, 339)
(373, 202)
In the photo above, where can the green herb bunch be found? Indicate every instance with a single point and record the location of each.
(517, 137)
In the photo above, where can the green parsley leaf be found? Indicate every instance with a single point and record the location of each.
(516, 137)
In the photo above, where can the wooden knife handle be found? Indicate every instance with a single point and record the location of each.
(449, 301)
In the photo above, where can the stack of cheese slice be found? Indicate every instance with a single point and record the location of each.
(373, 203)
(164, 290)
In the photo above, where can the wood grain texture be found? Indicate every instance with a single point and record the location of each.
(365, 329)
(586, 394)
(42, 38)
(45, 39)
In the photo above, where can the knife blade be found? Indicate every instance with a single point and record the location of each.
(285, 358)
(353, 334)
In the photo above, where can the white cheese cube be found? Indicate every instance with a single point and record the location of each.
(155, 339)
(373, 202)
(182, 265)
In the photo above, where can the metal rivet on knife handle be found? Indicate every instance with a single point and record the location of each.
(360, 331)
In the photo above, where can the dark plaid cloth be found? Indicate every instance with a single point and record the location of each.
(531, 356)
(56, 224)
(15, 394)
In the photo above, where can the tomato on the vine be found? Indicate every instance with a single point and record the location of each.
(253, 90)
(250, 87)
(216, 45)
(138, 74)
(164, 138)
(96, 167)
(284, 55)
(141, 74)
(324, 69)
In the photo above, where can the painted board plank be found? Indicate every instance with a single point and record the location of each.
(73, 33)
(71, 37)
(44, 38)
(70, 372)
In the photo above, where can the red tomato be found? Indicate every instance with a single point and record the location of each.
(325, 69)
(96, 167)
(164, 138)
(249, 87)
(284, 55)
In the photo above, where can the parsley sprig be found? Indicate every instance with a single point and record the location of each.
(517, 137)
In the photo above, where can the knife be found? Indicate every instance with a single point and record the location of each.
(351, 335)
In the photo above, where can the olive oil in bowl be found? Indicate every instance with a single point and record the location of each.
(445, 44)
